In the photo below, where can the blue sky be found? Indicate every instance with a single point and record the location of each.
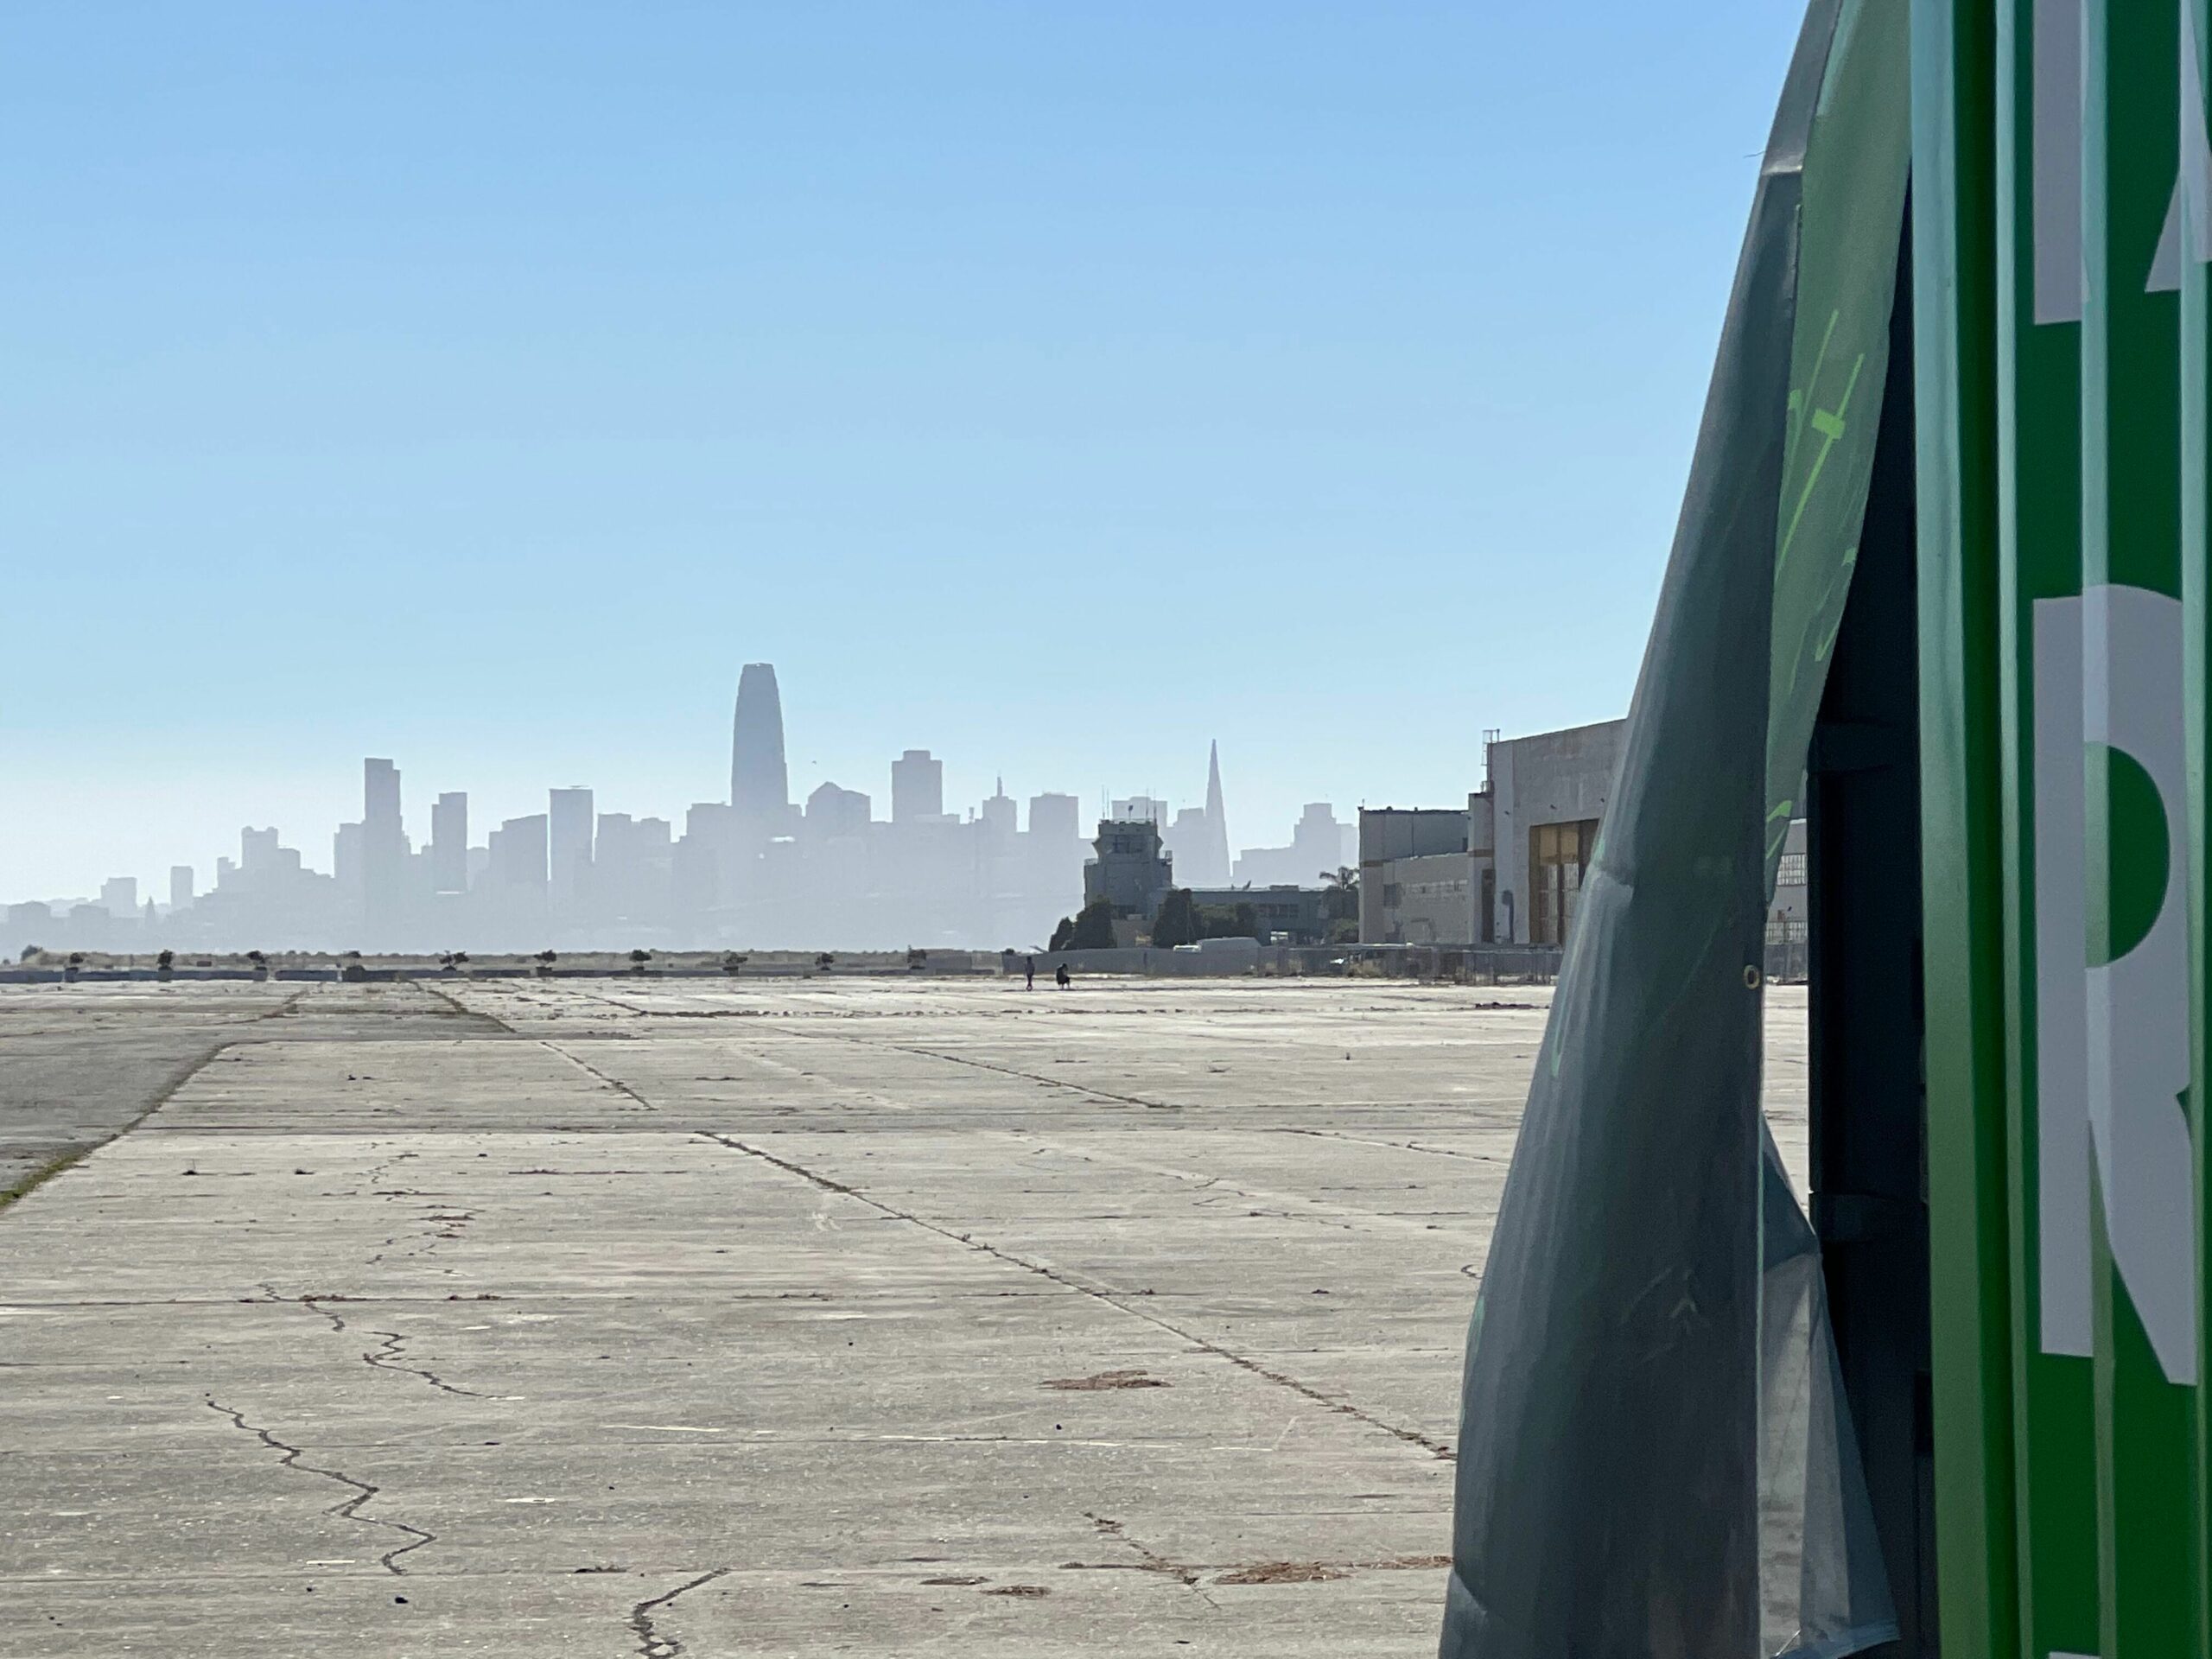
(1055, 386)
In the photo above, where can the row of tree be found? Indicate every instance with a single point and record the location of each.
(1090, 928)
(1183, 920)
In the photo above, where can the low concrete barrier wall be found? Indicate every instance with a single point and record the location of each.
(1483, 965)
(1146, 960)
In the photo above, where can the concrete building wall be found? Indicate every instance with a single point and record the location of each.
(1445, 875)
(1426, 900)
(1389, 835)
(1482, 823)
(1551, 778)
(1410, 832)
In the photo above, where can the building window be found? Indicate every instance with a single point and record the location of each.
(1487, 906)
(1392, 895)
(1559, 857)
(1792, 871)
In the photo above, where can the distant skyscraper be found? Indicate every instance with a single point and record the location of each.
(519, 853)
(380, 793)
(384, 846)
(916, 787)
(1319, 846)
(119, 895)
(630, 861)
(1217, 819)
(256, 849)
(449, 842)
(832, 812)
(614, 842)
(998, 817)
(1198, 838)
(759, 784)
(180, 886)
(1055, 820)
(1318, 840)
(1189, 842)
(346, 860)
(570, 813)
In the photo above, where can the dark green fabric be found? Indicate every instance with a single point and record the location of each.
(1609, 1483)
(1853, 211)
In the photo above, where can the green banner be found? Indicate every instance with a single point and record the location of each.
(2063, 1183)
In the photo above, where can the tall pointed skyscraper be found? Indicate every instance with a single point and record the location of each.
(1216, 816)
(759, 786)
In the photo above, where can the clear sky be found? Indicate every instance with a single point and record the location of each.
(1056, 386)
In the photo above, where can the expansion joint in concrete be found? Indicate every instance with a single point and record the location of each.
(1342, 1409)
(986, 1065)
(1149, 1559)
(586, 1067)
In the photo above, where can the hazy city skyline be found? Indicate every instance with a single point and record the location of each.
(1056, 387)
(757, 762)
(760, 867)
(167, 812)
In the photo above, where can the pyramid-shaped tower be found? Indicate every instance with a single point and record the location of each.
(1216, 818)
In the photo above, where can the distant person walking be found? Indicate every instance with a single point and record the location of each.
(1029, 973)
(1062, 977)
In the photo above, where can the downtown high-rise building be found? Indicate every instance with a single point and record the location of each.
(1198, 838)
(449, 842)
(759, 782)
(1218, 869)
(383, 849)
(916, 788)
(570, 818)
(1055, 820)
(518, 850)
(257, 848)
(345, 864)
(1000, 816)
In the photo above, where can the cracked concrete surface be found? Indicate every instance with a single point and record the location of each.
(699, 1319)
(347, 1509)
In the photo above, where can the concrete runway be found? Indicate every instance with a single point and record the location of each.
(874, 1317)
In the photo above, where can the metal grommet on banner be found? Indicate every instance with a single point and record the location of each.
(1750, 977)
